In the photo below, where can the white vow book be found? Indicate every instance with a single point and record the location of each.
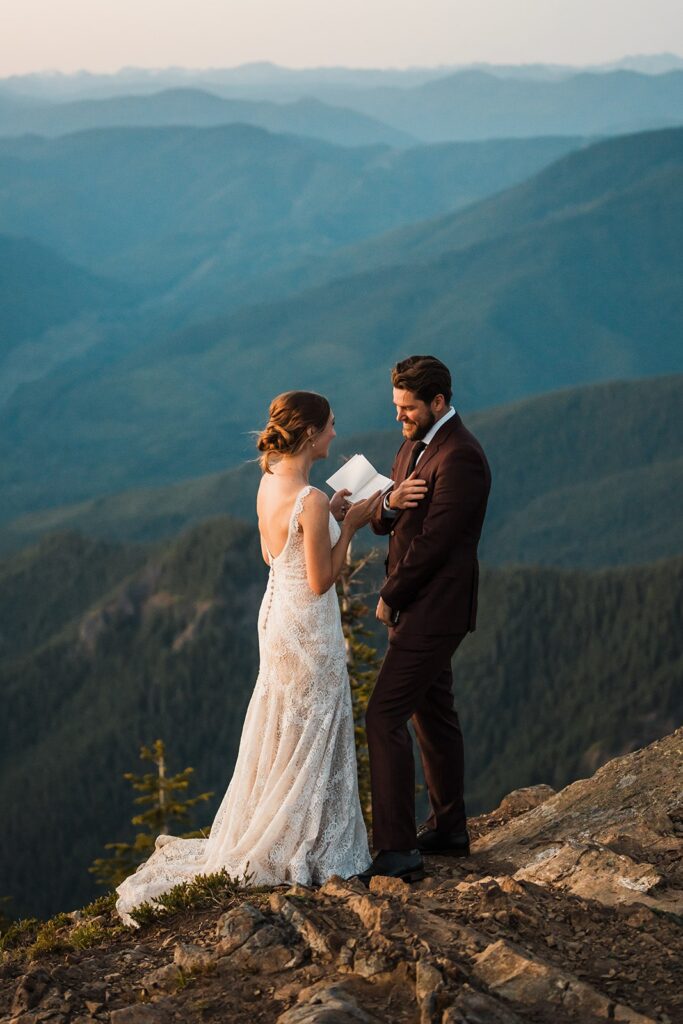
(360, 477)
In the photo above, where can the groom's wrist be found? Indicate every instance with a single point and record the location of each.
(386, 504)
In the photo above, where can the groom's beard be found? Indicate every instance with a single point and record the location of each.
(419, 430)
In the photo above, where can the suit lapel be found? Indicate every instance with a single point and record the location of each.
(440, 437)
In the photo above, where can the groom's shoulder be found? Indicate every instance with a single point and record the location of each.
(459, 439)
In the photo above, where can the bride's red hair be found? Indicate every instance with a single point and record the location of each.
(289, 417)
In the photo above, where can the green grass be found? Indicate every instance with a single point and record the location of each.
(203, 891)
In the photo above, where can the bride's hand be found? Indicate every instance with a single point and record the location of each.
(361, 512)
(339, 504)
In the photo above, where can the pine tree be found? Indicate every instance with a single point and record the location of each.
(159, 791)
(362, 661)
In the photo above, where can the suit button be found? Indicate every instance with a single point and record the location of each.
(392, 533)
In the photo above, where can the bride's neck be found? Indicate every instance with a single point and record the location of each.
(294, 467)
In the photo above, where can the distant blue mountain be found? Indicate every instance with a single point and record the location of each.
(582, 283)
(307, 117)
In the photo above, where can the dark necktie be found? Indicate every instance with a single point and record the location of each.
(418, 448)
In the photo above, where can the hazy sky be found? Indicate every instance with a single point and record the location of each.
(104, 35)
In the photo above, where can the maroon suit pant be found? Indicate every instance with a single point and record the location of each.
(417, 685)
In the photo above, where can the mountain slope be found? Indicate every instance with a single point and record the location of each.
(587, 476)
(572, 290)
(199, 211)
(40, 289)
(591, 295)
(573, 183)
(560, 673)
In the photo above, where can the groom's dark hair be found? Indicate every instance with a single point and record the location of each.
(425, 376)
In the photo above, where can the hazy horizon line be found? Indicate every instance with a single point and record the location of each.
(127, 68)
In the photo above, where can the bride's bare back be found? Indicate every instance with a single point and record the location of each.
(274, 504)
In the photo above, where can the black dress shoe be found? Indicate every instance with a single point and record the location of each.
(451, 844)
(405, 864)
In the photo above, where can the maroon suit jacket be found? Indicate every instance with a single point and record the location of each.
(432, 567)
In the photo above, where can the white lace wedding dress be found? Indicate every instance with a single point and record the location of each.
(291, 812)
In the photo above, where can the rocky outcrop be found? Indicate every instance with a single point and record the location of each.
(568, 910)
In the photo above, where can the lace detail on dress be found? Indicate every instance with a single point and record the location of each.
(291, 812)
(298, 509)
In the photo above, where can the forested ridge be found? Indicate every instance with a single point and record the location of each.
(106, 646)
(589, 476)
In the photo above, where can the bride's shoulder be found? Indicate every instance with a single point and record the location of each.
(313, 503)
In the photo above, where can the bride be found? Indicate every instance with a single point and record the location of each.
(291, 812)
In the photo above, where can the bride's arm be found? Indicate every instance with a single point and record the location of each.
(324, 562)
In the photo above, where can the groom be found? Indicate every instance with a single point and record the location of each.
(434, 517)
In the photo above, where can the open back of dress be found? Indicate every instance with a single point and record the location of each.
(291, 812)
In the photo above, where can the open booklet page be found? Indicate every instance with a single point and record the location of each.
(360, 477)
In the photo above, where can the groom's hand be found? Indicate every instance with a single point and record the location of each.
(384, 613)
(408, 493)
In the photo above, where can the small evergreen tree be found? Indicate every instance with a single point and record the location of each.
(362, 661)
(160, 792)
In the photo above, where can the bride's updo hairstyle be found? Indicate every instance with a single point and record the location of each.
(289, 417)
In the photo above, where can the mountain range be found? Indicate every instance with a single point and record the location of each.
(572, 277)
(199, 211)
(430, 104)
(477, 105)
(197, 107)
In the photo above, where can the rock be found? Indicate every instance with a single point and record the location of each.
(633, 797)
(163, 979)
(512, 974)
(591, 871)
(369, 963)
(384, 885)
(30, 990)
(428, 980)
(509, 885)
(304, 981)
(299, 890)
(486, 884)
(428, 983)
(236, 926)
(192, 958)
(267, 951)
(629, 1016)
(308, 925)
(509, 972)
(433, 930)
(472, 1007)
(342, 888)
(521, 800)
(329, 1004)
(374, 914)
(141, 1013)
